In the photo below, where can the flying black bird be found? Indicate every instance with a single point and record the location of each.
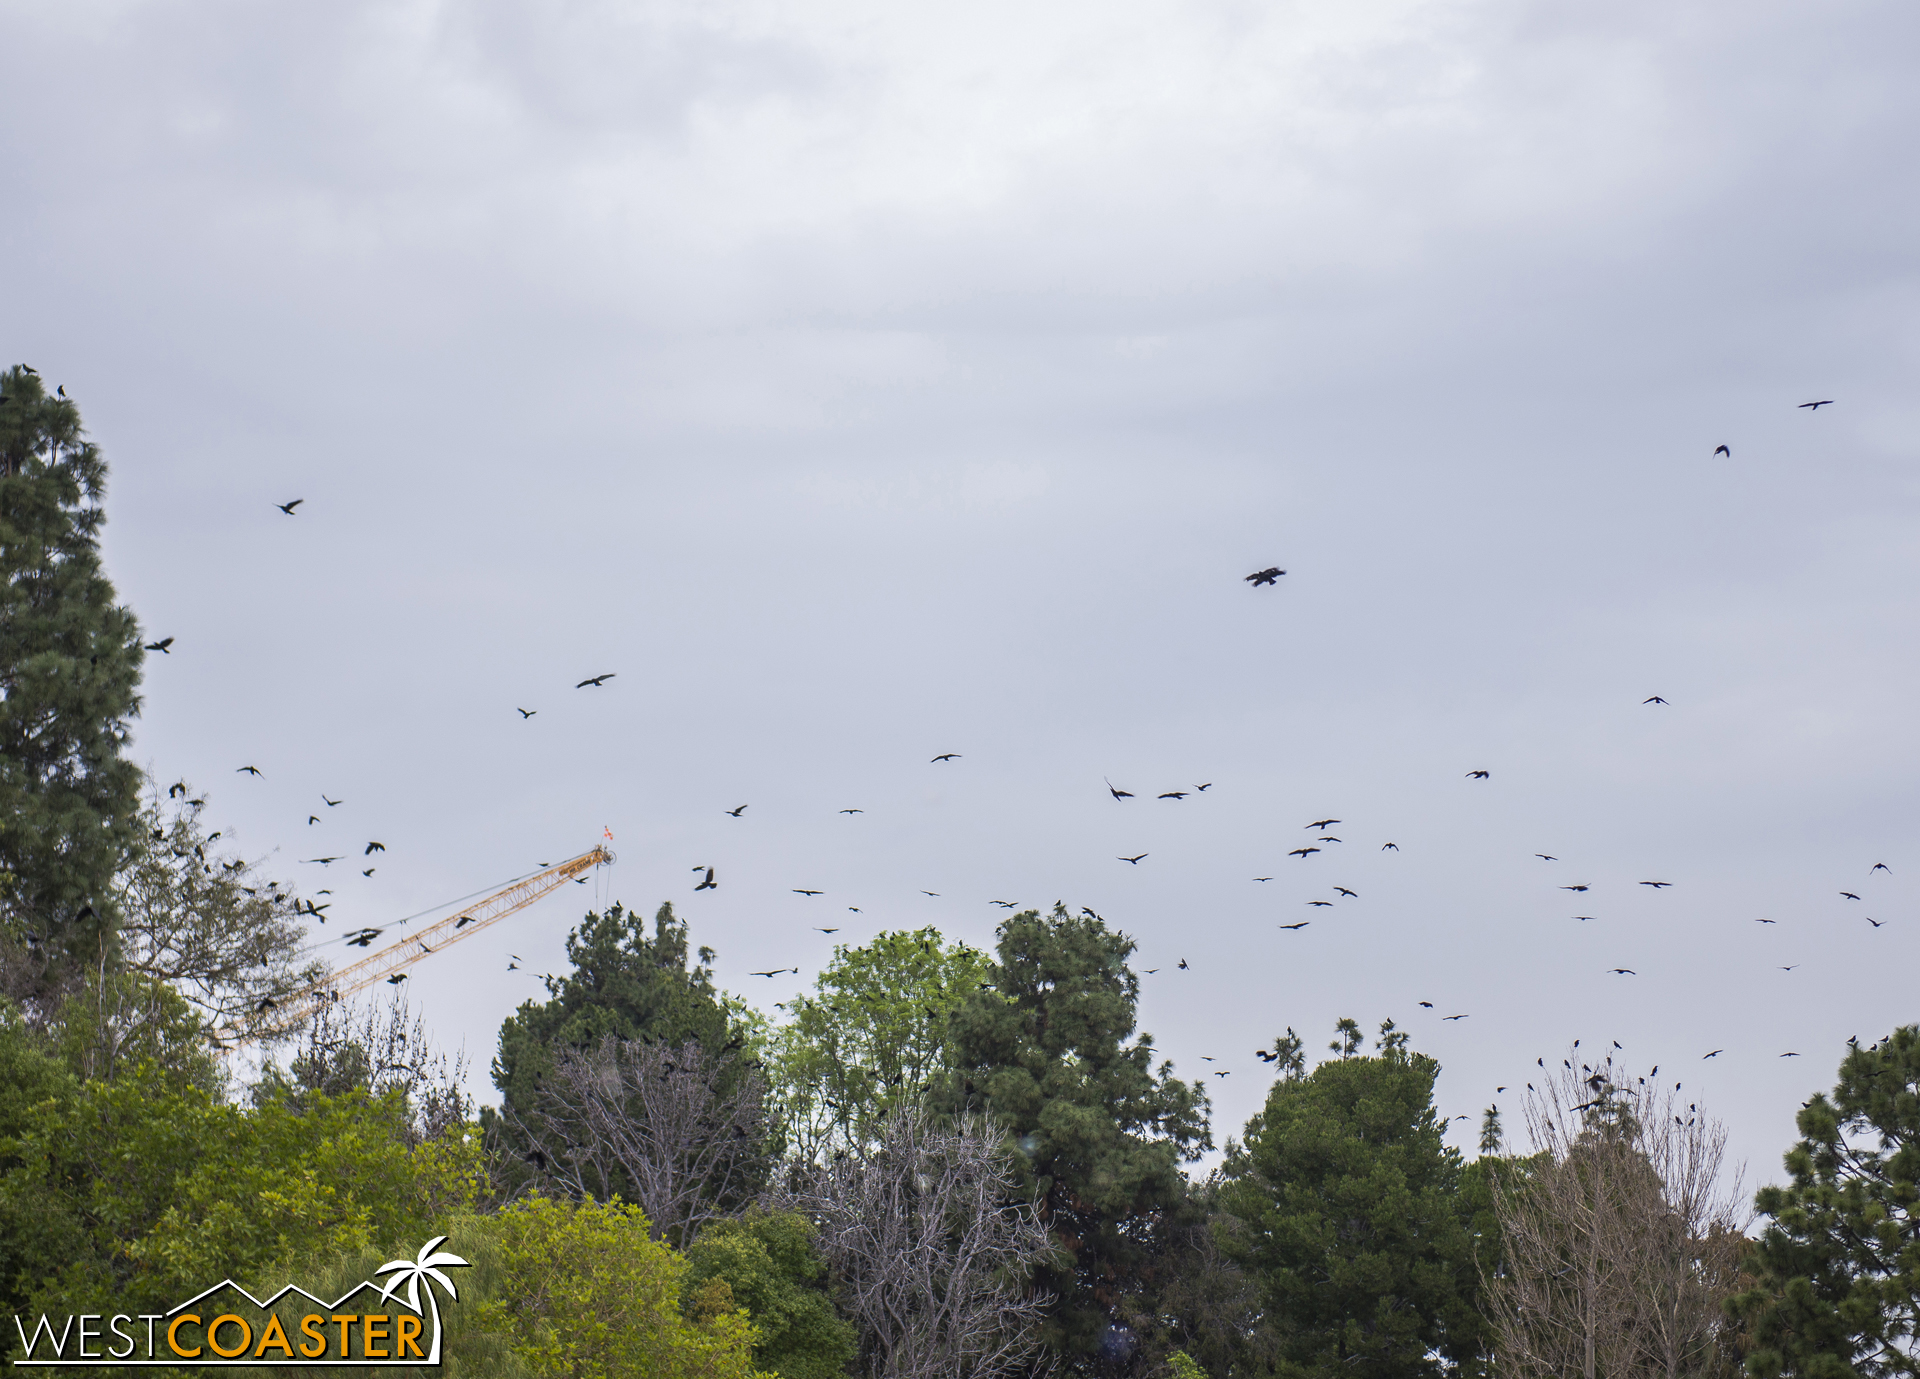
(1301, 925)
(1815, 406)
(1453, 1017)
(1427, 1004)
(1657, 885)
(525, 713)
(597, 679)
(369, 871)
(1319, 902)
(798, 891)
(1118, 794)
(373, 848)
(1319, 824)
(1134, 860)
(1880, 866)
(1207, 786)
(323, 861)
(853, 811)
(160, 646)
(1849, 895)
(1005, 904)
(827, 931)
(934, 894)
(1655, 699)
(1624, 972)
(1545, 858)
(1723, 450)
(1224, 1072)
(1351, 895)
(1266, 576)
(246, 770)
(396, 979)
(1173, 795)
(1479, 775)
(332, 803)
(1183, 964)
(1326, 840)
(312, 819)
(947, 756)
(776, 972)
(1389, 847)
(709, 884)
(1766, 921)
(288, 508)
(1789, 969)
(1303, 852)
(1876, 923)
(1789, 1055)
(362, 938)
(1574, 888)
(1266, 1057)
(1263, 878)
(1715, 1054)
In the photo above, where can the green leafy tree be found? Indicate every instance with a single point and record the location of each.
(875, 1035)
(129, 1195)
(1097, 1133)
(69, 678)
(1343, 1203)
(766, 1262)
(586, 1293)
(1838, 1266)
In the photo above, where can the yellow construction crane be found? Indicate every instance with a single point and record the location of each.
(396, 957)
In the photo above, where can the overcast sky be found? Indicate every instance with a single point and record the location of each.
(860, 382)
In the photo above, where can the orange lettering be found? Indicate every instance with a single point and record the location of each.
(213, 1336)
(345, 1322)
(173, 1343)
(408, 1328)
(275, 1335)
(368, 1336)
(313, 1327)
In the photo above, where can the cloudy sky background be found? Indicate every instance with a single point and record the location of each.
(862, 382)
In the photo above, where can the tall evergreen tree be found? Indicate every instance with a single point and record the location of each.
(69, 677)
(1839, 1264)
(1098, 1134)
(1344, 1203)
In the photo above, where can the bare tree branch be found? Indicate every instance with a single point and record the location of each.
(932, 1247)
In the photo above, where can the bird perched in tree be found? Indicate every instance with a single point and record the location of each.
(1266, 576)
(160, 646)
(288, 508)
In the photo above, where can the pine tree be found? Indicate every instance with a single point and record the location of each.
(1839, 1269)
(1344, 1204)
(69, 676)
(1097, 1133)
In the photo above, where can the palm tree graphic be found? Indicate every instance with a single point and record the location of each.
(410, 1271)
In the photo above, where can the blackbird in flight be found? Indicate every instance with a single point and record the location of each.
(1319, 824)
(709, 884)
(1573, 888)
(525, 713)
(1815, 406)
(1302, 852)
(853, 811)
(160, 646)
(1479, 775)
(323, 861)
(798, 891)
(734, 812)
(247, 770)
(373, 848)
(288, 508)
(1118, 794)
(1301, 925)
(1174, 795)
(947, 756)
(1880, 866)
(1266, 576)
(1657, 885)
(1849, 895)
(1319, 902)
(1723, 450)
(1351, 895)
(1656, 699)
(1134, 860)
(332, 803)
(597, 679)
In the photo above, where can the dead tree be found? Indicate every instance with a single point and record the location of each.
(679, 1132)
(1617, 1237)
(933, 1249)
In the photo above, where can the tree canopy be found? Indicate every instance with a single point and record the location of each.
(70, 661)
